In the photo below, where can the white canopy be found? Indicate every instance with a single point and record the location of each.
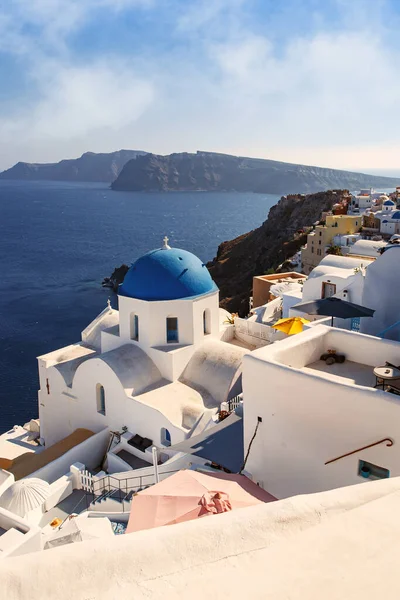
(25, 495)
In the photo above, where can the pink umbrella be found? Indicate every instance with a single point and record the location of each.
(188, 495)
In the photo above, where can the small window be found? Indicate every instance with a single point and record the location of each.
(101, 399)
(328, 289)
(207, 321)
(165, 437)
(319, 242)
(312, 250)
(172, 330)
(370, 471)
(134, 327)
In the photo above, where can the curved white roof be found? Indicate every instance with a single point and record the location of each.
(214, 367)
(331, 262)
(367, 248)
(135, 370)
(91, 335)
(25, 495)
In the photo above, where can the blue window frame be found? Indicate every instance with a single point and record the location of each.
(172, 330)
(134, 327)
(101, 399)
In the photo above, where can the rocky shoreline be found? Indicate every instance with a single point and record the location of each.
(116, 278)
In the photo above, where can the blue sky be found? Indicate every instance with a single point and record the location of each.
(309, 81)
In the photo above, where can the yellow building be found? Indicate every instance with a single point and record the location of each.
(321, 238)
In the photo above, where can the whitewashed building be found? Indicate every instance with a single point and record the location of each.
(340, 276)
(380, 293)
(156, 367)
(314, 426)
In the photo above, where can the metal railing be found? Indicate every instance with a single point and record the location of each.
(120, 489)
(233, 403)
(389, 442)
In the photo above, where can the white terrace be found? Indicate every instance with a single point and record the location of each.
(312, 412)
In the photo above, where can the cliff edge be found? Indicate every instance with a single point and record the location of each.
(88, 167)
(210, 171)
(266, 247)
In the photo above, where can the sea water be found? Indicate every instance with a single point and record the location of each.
(59, 240)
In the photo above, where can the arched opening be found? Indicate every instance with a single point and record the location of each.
(207, 321)
(172, 330)
(165, 437)
(100, 399)
(134, 327)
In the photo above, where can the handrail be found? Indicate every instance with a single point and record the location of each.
(389, 441)
(123, 483)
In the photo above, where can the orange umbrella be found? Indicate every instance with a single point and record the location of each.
(188, 495)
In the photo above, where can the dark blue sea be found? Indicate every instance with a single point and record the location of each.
(59, 240)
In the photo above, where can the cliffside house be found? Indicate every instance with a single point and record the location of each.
(322, 236)
(262, 285)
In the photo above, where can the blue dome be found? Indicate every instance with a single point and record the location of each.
(396, 215)
(388, 203)
(167, 274)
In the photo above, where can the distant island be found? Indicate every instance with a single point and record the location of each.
(210, 171)
(88, 167)
(135, 170)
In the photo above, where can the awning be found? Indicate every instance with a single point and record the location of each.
(222, 444)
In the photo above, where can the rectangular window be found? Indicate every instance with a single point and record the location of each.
(101, 399)
(328, 289)
(172, 330)
(134, 327)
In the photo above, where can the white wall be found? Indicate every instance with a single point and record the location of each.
(12, 544)
(309, 419)
(381, 293)
(6, 480)
(90, 453)
(152, 319)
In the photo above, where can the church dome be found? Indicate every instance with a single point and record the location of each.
(167, 274)
(25, 495)
(388, 203)
(396, 215)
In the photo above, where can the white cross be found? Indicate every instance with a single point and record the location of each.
(109, 304)
(166, 247)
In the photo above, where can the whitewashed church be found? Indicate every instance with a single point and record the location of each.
(157, 366)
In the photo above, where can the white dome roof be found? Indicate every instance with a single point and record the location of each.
(25, 495)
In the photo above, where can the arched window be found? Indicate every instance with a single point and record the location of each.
(134, 327)
(172, 330)
(100, 399)
(207, 321)
(165, 437)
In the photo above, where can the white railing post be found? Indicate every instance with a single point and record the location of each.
(155, 463)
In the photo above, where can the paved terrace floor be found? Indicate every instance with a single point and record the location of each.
(74, 503)
(348, 372)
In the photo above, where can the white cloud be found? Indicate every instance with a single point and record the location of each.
(76, 101)
(327, 97)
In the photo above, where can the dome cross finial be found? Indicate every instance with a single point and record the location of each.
(165, 246)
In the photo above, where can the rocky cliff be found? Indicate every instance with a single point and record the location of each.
(89, 167)
(209, 171)
(267, 247)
